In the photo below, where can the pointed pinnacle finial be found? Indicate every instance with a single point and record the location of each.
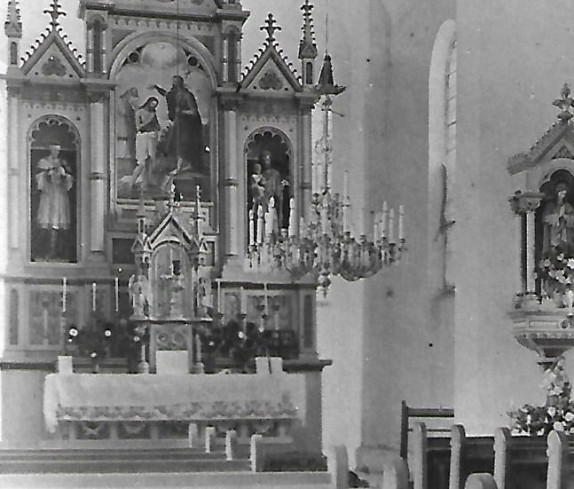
(270, 27)
(326, 85)
(55, 12)
(564, 104)
(13, 25)
(307, 46)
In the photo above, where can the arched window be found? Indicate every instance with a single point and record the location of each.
(309, 73)
(98, 46)
(442, 152)
(13, 53)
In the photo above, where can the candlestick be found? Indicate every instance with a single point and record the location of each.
(117, 292)
(94, 296)
(64, 293)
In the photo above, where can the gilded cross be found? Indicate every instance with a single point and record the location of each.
(564, 104)
(55, 12)
(270, 27)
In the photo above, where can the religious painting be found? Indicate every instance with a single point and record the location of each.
(54, 150)
(162, 123)
(269, 183)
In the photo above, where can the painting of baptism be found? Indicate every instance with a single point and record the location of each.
(162, 121)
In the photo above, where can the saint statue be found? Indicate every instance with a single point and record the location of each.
(126, 128)
(148, 129)
(274, 185)
(558, 221)
(185, 137)
(54, 182)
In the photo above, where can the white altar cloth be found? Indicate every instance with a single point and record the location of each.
(148, 397)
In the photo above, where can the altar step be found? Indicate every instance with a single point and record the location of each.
(100, 461)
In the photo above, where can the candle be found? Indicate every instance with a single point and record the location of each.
(251, 228)
(401, 225)
(93, 296)
(64, 293)
(292, 217)
(345, 186)
(117, 292)
(392, 226)
(198, 348)
(260, 225)
(219, 303)
(242, 304)
(266, 298)
(384, 220)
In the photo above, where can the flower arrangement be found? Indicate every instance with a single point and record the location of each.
(558, 411)
(556, 273)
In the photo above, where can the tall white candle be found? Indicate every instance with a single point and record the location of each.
(117, 292)
(292, 217)
(251, 228)
(392, 226)
(345, 186)
(242, 303)
(198, 358)
(64, 293)
(266, 298)
(384, 220)
(94, 290)
(260, 225)
(219, 303)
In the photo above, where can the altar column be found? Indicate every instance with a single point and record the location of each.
(306, 168)
(234, 207)
(14, 168)
(525, 204)
(97, 172)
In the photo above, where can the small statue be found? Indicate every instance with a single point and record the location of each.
(558, 219)
(556, 383)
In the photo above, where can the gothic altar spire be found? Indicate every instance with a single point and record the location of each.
(565, 103)
(270, 27)
(326, 84)
(55, 12)
(307, 45)
(13, 24)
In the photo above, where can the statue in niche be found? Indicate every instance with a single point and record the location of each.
(558, 222)
(54, 181)
(184, 139)
(140, 292)
(147, 127)
(274, 185)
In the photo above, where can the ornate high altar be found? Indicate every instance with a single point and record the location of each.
(169, 227)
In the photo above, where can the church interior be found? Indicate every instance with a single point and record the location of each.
(296, 243)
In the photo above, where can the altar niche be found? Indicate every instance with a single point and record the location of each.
(54, 161)
(269, 182)
(162, 123)
(554, 238)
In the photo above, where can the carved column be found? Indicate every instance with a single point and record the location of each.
(13, 169)
(526, 203)
(234, 207)
(97, 171)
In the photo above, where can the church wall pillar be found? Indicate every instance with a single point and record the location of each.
(233, 218)
(97, 174)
